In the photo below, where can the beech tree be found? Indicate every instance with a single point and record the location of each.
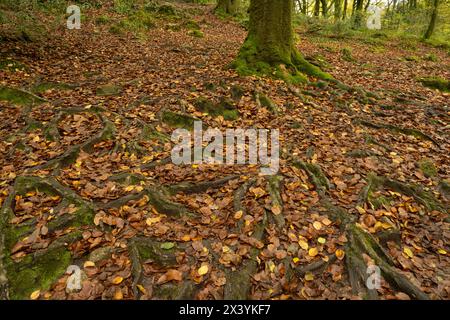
(433, 18)
(228, 6)
(269, 47)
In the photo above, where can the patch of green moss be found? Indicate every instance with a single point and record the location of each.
(36, 273)
(192, 25)
(431, 57)
(44, 86)
(428, 168)
(153, 251)
(11, 65)
(196, 33)
(379, 202)
(412, 58)
(436, 83)
(108, 90)
(103, 19)
(267, 103)
(177, 120)
(18, 97)
(225, 108)
(346, 54)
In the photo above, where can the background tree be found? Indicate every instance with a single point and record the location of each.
(228, 6)
(433, 18)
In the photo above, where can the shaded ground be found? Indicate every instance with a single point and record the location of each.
(80, 184)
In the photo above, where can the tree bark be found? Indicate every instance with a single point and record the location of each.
(344, 14)
(432, 24)
(270, 45)
(337, 9)
(228, 6)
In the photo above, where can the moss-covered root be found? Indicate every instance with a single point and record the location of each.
(363, 242)
(5, 214)
(146, 249)
(19, 96)
(71, 154)
(238, 283)
(315, 174)
(239, 196)
(274, 186)
(396, 129)
(374, 183)
(157, 197)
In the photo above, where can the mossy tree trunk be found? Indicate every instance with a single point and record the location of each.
(228, 6)
(337, 9)
(358, 13)
(432, 24)
(270, 45)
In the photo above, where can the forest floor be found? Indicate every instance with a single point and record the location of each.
(86, 178)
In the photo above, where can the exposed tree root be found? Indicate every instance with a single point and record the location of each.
(360, 241)
(72, 153)
(238, 283)
(407, 131)
(315, 174)
(425, 198)
(274, 185)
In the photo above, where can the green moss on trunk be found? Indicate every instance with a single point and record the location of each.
(269, 48)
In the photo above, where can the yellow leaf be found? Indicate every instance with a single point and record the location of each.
(238, 214)
(35, 295)
(309, 276)
(195, 166)
(326, 221)
(442, 251)
(340, 254)
(361, 210)
(321, 240)
(129, 188)
(317, 225)
(295, 260)
(151, 221)
(313, 252)
(117, 280)
(271, 266)
(408, 252)
(203, 270)
(88, 264)
(303, 244)
(186, 238)
(118, 295)
(141, 289)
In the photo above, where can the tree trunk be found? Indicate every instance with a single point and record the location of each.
(316, 8)
(228, 6)
(432, 24)
(344, 14)
(324, 8)
(337, 9)
(358, 8)
(269, 47)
